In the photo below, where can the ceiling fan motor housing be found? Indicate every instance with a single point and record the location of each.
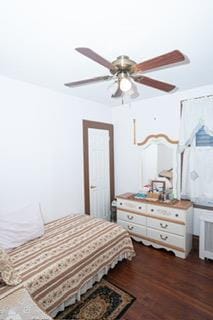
(123, 64)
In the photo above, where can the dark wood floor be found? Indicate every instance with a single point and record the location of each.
(166, 287)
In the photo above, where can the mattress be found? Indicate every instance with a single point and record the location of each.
(73, 252)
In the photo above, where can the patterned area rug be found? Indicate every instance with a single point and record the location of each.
(104, 301)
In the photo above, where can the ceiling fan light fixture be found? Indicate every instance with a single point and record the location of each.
(125, 84)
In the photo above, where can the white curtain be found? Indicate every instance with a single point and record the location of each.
(195, 114)
(197, 174)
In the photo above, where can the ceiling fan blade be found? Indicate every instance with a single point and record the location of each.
(95, 57)
(154, 83)
(87, 81)
(160, 61)
(118, 93)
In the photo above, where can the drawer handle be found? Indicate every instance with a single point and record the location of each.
(163, 237)
(130, 227)
(121, 203)
(130, 217)
(164, 226)
(152, 210)
(140, 208)
(176, 215)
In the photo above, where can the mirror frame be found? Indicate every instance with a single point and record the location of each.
(173, 144)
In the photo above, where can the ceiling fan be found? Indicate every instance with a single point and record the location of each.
(126, 72)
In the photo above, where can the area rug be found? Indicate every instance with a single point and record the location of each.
(104, 301)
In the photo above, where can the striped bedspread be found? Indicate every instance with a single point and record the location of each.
(72, 250)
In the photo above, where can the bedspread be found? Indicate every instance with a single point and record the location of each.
(72, 250)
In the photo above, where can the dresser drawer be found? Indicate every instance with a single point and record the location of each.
(163, 212)
(167, 238)
(167, 226)
(131, 205)
(131, 217)
(133, 228)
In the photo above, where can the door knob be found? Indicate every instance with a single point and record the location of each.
(92, 187)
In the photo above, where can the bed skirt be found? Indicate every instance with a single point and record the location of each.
(89, 283)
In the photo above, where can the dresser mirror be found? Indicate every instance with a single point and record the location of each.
(159, 161)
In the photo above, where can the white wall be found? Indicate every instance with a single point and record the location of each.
(41, 147)
(157, 115)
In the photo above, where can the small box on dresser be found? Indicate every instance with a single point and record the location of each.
(161, 225)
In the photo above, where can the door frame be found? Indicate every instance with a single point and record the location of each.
(87, 124)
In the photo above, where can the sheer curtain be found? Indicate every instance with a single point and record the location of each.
(195, 114)
(197, 173)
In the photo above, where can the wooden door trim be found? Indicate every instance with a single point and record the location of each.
(87, 124)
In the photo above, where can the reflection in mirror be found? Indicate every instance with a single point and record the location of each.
(157, 164)
(165, 164)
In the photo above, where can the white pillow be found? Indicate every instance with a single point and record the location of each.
(20, 226)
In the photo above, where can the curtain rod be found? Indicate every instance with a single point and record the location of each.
(201, 97)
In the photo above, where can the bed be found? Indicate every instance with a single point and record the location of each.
(74, 252)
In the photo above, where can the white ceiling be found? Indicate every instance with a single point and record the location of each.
(38, 37)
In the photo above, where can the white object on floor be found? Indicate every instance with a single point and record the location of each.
(206, 237)
(20, 226)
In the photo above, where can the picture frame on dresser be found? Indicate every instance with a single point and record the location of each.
(158, 186)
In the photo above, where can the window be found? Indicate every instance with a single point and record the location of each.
(203, 139)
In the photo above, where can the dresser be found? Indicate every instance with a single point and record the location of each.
(158, 224)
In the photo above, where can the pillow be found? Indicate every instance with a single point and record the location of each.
(7, 272)
(18, 227)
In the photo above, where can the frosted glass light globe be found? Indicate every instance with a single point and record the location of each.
(125, 84)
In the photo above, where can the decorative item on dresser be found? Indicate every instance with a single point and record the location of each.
(160, 224)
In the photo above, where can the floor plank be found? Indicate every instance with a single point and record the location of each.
(166, 287)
